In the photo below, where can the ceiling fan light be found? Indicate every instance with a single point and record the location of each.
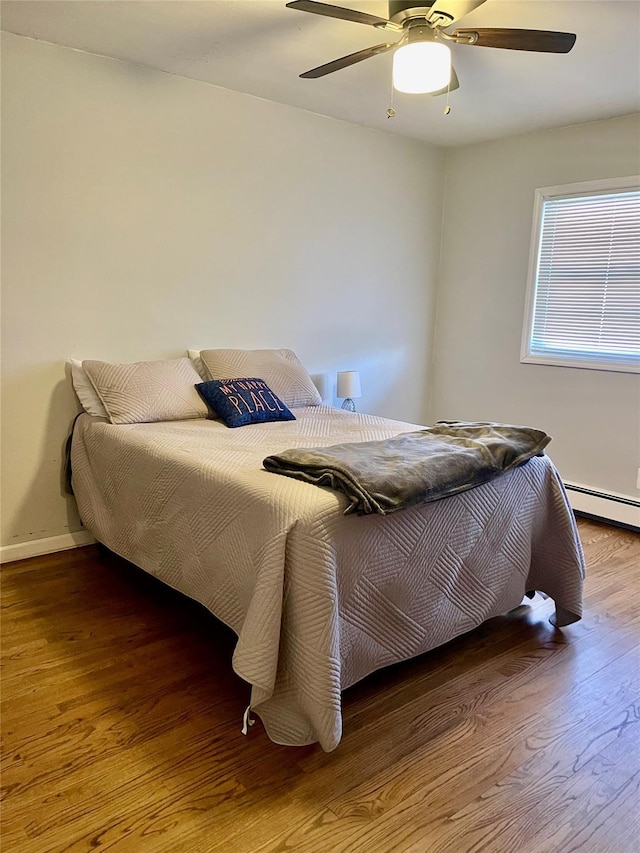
(421, 67)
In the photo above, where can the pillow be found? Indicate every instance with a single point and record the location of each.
(279, 368)
(147, 391)
(194, 356)
(86, 393)
(243, 401)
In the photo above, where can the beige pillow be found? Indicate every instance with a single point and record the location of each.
(86, 393)
(280, 369)
(147, 391)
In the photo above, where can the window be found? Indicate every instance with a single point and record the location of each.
(583, 294)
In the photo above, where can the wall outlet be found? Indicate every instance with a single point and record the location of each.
(638, 480)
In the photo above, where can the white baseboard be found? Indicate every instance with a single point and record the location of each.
(610, 506)
(49, 545)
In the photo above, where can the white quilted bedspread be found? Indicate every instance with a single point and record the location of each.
(318, 599)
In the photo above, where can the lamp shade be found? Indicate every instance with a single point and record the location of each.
(421, 67)
(349, 384)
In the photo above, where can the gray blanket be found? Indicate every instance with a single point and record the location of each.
(413, 467)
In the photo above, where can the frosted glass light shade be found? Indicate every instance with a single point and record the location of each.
(421, 67)
(349, 384)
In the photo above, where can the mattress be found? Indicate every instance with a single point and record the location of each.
(319, 599)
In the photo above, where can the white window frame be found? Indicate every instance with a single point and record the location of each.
(542, 194)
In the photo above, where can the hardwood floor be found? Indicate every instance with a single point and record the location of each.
(121, 728)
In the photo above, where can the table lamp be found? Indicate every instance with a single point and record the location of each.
(348, 388)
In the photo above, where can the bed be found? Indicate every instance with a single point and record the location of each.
(318, 599)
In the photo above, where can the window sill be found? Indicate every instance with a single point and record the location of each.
(559, 361)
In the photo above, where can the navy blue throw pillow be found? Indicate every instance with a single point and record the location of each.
(243, 401)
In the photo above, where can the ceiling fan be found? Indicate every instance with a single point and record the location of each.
(422, 59)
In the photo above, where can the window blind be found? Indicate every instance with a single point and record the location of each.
(587, 285)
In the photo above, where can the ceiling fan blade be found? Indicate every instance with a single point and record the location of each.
(337, 12)
(346, 61)
(453, 85)
(446, 12)
(541, 41)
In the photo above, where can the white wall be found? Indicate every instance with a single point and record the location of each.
(593, 416)
(144, 213)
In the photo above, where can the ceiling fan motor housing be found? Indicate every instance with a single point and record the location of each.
(402, 10)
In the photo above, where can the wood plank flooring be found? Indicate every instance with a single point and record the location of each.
(121, 728)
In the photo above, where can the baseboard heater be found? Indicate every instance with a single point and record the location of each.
(608, 506)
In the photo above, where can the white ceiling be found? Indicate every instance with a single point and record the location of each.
(260, 47)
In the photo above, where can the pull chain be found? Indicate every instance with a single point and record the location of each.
(447, 109)
(391, 112)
